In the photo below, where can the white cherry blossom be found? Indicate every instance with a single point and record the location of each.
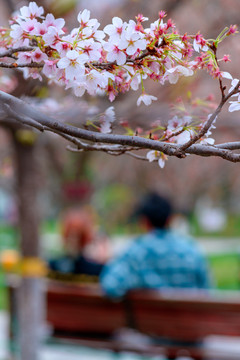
(51, 38)
(84, 19)
(91, 48)
(174, 73)
(63, 47)
(40, 29)
(184, 137)
(207, 141)
(95, 79)
(73, 63)
(50, 68)
(154, 155)
(132, 40)
(135, 81)
(116, 29)
(177, 123)
(233, 84)
(146, 99)
(31, 11)
(57, 23)
(18, 35)
(115, 54)
(235, 106)
(106, 120)
(199, 47)
(226, 75)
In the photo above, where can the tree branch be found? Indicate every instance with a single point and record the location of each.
(14, 108)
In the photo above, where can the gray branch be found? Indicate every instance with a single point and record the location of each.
(14, 108)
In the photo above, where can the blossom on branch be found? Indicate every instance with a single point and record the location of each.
(115, 60)
(106, 120)
(73, 64)
(31, 11)
(146, 99)
(158, 156)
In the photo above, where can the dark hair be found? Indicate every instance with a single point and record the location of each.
(156, 209)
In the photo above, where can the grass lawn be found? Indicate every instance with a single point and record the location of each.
(226, 271)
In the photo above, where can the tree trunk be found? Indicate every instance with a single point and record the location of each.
(30, 299)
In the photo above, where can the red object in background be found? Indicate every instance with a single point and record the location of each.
(76, 190)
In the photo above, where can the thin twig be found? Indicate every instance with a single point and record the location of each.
(210, 121)
(16, 65)
(10, 52)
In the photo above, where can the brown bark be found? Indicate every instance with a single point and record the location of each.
(27, 189)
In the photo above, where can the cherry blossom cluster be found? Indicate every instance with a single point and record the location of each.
(115, 59)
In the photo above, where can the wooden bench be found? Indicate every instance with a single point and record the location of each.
(176, 322)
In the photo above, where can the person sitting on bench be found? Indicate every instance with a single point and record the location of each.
(159, 258)
(78, 232)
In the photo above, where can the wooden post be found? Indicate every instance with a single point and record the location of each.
(30, 303)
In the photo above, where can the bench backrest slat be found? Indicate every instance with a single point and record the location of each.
(182, 317)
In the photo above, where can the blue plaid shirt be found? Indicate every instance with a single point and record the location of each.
(160, 259)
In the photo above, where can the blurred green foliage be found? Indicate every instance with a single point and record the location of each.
(114, 204)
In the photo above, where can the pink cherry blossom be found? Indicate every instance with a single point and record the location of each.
(29, 26)
(39, 56)
(24, 58)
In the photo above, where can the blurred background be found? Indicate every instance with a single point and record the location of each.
(204, 191)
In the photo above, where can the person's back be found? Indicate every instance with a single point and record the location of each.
(158, 259)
